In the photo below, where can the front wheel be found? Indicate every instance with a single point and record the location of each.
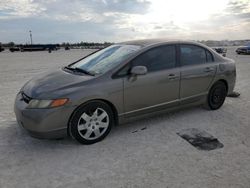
(91, 122)
(216, 96)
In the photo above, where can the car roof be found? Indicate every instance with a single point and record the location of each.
(145, 43)
(149, 42)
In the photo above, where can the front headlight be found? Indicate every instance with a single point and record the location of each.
(35, 103)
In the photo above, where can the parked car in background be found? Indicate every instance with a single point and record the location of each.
(1, 49)
(121, 83)
(220, 50)
(243, 50)
(14, 49)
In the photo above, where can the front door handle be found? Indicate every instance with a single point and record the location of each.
(208, 69)
(172, 76)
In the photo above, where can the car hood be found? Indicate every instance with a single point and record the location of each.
(49, 84)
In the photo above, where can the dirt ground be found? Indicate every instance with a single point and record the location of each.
(145, 153)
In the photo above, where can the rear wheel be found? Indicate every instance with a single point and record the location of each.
(91, 122)
(216, 96)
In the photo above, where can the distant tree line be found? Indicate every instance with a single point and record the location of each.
(85, 44)
(82, 44)
(64, 44)
(216, 43)
(50, 47)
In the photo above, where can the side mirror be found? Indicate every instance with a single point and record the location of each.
(139, 70)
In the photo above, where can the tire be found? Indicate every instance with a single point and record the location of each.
(216, 96)
(91, 122)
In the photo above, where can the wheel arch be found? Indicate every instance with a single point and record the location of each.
(224, 81)
(219, 80)
(110, 104)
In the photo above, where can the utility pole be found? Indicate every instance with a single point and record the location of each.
(30, 37)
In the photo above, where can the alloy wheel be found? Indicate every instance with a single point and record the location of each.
(93, 125)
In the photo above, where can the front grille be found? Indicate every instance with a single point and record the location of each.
(25, 98)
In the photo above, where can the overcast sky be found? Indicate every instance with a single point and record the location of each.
(56, 21)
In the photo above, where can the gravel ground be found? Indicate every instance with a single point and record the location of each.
(145, 153)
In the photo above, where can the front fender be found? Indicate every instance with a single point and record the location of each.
(111, 91)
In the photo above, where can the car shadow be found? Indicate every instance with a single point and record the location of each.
(12, 134)
(144, 124)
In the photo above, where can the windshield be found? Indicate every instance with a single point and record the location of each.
(104, 60)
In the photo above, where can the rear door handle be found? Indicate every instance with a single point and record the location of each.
(172, 76)
(208, 69)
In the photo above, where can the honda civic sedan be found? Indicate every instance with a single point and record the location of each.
(121, 83)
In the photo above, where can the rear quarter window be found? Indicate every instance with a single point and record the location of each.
(210, 57)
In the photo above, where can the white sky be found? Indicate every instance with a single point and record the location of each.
(117, 20)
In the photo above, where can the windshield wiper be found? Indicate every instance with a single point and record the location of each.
(84, 71)
(76, 69)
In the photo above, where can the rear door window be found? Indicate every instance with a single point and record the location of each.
(192, 55)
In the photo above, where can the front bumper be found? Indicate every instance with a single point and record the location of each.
(43, 123)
